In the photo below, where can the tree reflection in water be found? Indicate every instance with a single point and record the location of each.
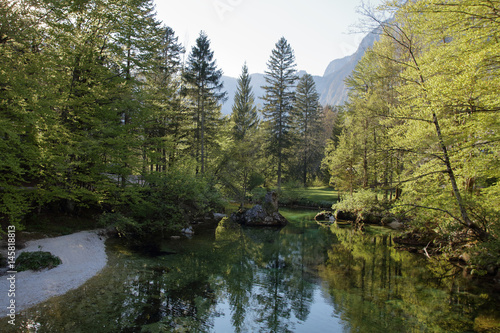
(299, 278)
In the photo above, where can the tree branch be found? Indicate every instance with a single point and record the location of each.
(421, 176)
(437, 209)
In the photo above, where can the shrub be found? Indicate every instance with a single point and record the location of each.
(361, 201)
(256, 179)
(165, 203)
(36, 261)
(124, 225)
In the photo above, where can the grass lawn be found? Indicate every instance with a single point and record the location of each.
(305, 196)
(318, 194)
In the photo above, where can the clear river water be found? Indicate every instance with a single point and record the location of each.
(301, 278)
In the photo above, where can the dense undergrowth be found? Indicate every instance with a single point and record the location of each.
(165, 203)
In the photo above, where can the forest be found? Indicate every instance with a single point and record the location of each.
(103, 110)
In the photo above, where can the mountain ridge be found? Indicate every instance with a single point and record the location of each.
(331, 86)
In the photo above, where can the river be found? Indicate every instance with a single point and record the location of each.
(301, 278)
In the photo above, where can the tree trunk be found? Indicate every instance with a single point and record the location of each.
(202, 134)
(451, 175)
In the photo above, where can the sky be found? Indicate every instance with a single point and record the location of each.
(240, 31)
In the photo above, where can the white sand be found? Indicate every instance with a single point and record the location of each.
(82, 254)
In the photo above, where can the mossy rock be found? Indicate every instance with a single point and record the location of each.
(36, 261)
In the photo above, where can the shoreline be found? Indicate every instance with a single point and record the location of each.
(83, 255)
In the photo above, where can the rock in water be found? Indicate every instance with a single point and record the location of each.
(265, 215)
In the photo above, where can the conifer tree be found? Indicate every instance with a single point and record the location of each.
(166, 123)
(204, 87)
(244, 110)
(280, 78)
(245, 122)
(307, 123)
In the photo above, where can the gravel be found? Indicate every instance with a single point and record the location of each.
(83, 255)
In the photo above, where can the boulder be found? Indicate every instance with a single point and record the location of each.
(265, 215)
(325, 217)
(188, 231)
(396, 225)
(218, 217)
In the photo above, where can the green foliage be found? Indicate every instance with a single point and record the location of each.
(204, 87)
(256, 179)
(360, 202)
(166, 120)
(421, 125)
(244, 114)
(36, 261)
(239, 169)
(90, 97)
(126, 227)
(165, 203)
(278, 106)
(290, 192)
(15, 204)
(307, 129)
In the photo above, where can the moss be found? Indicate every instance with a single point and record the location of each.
(36, 261)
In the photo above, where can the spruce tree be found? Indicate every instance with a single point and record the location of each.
(307, 123)
(166, 122)
(204, 86)
(245, 122)
(244, 111)
(280, 78)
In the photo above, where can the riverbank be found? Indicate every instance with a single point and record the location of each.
(83, 255)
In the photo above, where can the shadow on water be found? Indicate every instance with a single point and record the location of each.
(301, 278)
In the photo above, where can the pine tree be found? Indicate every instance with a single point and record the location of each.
(280, 78)
(204, 87)
(244, 111)
(245, 121)
(166, 122)
(307, 112)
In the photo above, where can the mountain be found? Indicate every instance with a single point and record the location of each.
(330, 86)
(336, 65)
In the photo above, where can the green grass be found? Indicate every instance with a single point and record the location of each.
(297, 215)
(36, 261)
(315, 197)
(318, 194)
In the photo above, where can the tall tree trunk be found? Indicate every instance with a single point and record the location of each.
(305, 151)
(202, 134)
(451, 175)
(280, 133)
(446, 159)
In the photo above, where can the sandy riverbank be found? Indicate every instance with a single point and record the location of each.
(83, 255)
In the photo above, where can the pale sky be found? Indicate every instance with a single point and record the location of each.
(319, 31)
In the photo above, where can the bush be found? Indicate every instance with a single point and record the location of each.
(167, 202)
(256, 179)
(364, 205)
(124, 225)
(36, 261)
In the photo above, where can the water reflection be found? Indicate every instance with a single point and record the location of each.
(377, 288)
(302, 278)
